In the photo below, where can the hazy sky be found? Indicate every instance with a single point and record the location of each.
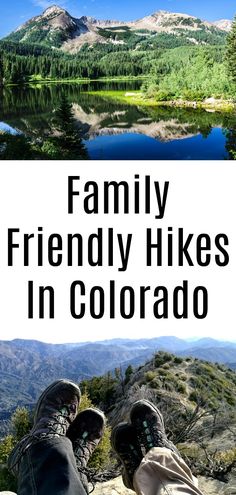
(15, 12)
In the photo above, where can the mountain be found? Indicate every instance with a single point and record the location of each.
(226, 354)
(197, 400)
(56, 28)
(224, 24)
(27, 366)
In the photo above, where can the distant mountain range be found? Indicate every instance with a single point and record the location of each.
(27, 366)
(56, 28)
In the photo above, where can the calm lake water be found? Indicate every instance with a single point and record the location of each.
(115, 131)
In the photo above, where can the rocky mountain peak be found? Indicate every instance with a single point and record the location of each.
(224, 24)
(56, 28)
(54, 10)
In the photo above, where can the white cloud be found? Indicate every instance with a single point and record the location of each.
(44, 4)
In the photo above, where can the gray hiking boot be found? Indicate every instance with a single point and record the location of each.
(56, 408)
(125, 443)
(85, 434)
(149, 425)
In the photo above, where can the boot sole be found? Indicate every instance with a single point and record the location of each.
(72, 432)
(49, 389)
(113, 435)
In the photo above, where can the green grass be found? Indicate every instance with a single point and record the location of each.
(136, 97)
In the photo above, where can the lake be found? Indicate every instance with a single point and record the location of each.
(111, 130)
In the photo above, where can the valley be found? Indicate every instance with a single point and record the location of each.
(197, 397)
(28, 366)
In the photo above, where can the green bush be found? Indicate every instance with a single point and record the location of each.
(162, 95)
(166, 366)
(193, 396)
(163, 372)
(151, 91)
(155, 383)
(162, 358)
(150, 375)
(181, 388)
(178, 360)
(194, 95)
(21, 422)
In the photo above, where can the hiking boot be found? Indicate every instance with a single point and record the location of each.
(55, 410)
(85, 434)
(149, 425)
(125, 443)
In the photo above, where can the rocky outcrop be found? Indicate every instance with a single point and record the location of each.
(208, 486)
(224, 24)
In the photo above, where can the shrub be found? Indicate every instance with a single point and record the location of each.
(163, 95)
(7, 480)
(193, 396)
(194, 95)
(181, 388)
(150, 375)
(178, 360)
(166, 366)
(128, 372)
(151, 91)
(162, 358)
(155, 383)
(21, 422)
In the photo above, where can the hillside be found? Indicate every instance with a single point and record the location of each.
(27, 366)
(56, 28)
(197, 399)
(169, 380)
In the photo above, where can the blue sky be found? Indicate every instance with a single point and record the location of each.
(15, 12)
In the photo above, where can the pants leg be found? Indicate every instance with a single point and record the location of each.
(48, 468)
(162, 472)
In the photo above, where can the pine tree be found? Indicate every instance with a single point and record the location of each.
(69, 142)
(231, 51)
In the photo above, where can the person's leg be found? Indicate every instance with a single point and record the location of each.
(152, 464)
(43, 460)
(48, 468)
(162, 471)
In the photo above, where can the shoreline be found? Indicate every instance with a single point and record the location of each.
(138, 98)
(35, 82)
(134, 97)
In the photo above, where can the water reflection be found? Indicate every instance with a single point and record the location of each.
(170, 132)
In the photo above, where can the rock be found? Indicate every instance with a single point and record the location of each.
(208, 486)
(211, 486)
(112, 487)
(211, 100)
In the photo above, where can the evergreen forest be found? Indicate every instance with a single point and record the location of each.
(172, 66)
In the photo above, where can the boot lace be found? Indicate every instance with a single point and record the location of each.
(150, 436)
(83, 450)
